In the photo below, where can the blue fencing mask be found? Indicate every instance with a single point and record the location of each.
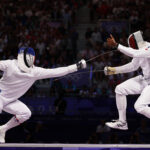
(26, 58)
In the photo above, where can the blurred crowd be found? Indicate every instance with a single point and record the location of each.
(135, 11)
(50, 28)
(44, 25)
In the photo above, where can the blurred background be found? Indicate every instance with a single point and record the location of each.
(75, 108)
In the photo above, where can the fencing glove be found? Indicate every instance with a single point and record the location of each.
(109, 70)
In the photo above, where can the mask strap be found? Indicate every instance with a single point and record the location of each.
(132, 41)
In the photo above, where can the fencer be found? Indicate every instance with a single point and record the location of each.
(18, 76)
(140, 51)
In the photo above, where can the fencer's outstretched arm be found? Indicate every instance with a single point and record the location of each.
(139, 53)
(143, 52)
(42, 73)
(130, 67)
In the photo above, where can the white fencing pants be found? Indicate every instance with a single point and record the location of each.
(143, 101)
(136, 85)
(21, 112)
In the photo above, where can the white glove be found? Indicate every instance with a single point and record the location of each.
(109, 70)
(81, 64)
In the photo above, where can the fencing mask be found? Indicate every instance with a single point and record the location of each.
(26, 58)
(135, 40)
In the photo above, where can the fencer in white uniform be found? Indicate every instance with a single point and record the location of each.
(136, 85)
(18, 76)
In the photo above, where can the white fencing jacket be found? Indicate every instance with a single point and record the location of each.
(14, 83)
(141, 58)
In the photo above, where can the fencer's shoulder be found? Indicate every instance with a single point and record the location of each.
(4, 64)
(35, 69)
(147, 48)
(8, 61)
(13, 61)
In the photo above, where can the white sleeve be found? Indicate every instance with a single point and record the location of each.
(134, 53)
(42, 73)
(132, 66)
(4, 64)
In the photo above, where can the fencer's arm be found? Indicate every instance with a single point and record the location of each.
(134, 53)
(42, 73)
(130, 67)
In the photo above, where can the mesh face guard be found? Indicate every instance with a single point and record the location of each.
(29, 57)
(26, 58)
(135, 40)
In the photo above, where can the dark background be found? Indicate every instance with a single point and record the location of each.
(75, 108)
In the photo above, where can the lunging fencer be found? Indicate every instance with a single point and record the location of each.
(139, 50)
(18, 76)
